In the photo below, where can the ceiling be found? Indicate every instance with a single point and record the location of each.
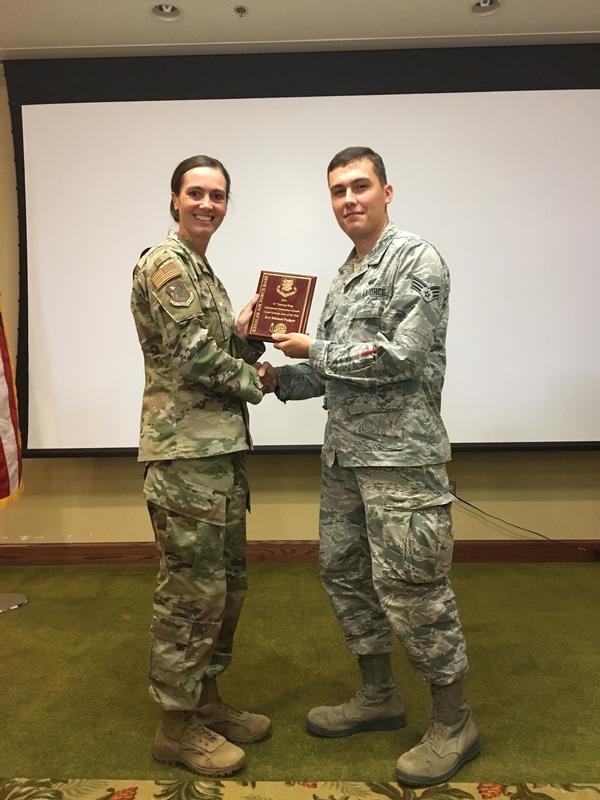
(98, 28)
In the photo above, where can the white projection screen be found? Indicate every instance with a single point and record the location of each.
(505, 183)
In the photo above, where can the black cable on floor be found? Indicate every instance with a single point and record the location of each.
(594, 553)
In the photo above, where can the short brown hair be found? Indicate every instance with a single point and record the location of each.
(350, 154)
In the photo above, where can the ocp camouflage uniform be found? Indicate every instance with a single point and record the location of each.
(385, 526)
(193, 434)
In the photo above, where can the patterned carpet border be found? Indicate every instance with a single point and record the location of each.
(24, 789)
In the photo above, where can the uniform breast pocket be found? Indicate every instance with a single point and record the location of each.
(370, 309)
(366, 321)
(218, 320)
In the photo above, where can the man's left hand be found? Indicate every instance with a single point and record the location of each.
(293, 345)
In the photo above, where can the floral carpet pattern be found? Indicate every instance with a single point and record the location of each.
(23, 789)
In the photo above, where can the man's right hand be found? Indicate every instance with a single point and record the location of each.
(268, 376)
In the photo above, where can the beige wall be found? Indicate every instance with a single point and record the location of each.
(99, 499)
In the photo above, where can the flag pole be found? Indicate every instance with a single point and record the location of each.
(11, 484)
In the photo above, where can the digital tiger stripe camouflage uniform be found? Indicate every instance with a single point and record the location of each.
(379, 358)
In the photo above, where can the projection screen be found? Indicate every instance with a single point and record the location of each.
(505, 183)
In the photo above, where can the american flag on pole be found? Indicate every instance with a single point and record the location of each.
(10, 438)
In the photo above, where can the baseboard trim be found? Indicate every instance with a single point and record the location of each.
(527, 551)
(296, 551)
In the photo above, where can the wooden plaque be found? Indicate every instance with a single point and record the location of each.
(283, 304)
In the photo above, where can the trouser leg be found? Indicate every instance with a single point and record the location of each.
(190, 522)
(234, 555)
(345, 562)
(410, 535)
(187, 609)
(347, 577)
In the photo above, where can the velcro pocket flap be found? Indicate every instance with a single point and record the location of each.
(185, 498)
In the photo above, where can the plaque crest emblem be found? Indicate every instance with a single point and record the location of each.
(287, 287)
(279, 328)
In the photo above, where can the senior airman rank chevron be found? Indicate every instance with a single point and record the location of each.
(428, 293)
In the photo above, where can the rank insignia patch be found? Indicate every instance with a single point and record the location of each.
(428, 293)
(179, 294)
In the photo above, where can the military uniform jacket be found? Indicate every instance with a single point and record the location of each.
(197, 378)
(379, 357)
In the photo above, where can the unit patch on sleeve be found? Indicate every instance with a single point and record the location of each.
(179, 294)
(428, 293)
(165, 273)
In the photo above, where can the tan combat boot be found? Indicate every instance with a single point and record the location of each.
(233, 724)
(449, 742)
(182, 739)
(376, 707)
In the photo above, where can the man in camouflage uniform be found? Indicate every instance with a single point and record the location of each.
(385, 526)
(194, 431)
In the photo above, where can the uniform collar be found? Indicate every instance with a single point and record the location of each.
(375, 253)
(175, 238)
(381, 245)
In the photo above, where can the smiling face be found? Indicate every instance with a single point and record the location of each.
(201, 204)
(359, 201)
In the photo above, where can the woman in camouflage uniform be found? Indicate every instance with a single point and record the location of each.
(194, 433)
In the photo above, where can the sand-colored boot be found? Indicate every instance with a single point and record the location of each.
(376, 707)
(233, 724)
(182, 739)
(449, 742)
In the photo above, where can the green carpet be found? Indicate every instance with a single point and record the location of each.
(73, 700)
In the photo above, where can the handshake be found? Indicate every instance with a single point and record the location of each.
(293, 345)
(268, 376)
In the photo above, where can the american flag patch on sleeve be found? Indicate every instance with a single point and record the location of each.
(165, 273)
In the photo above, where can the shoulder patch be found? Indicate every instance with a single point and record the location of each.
(179, 294)
(428, 293)
(164, 273)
